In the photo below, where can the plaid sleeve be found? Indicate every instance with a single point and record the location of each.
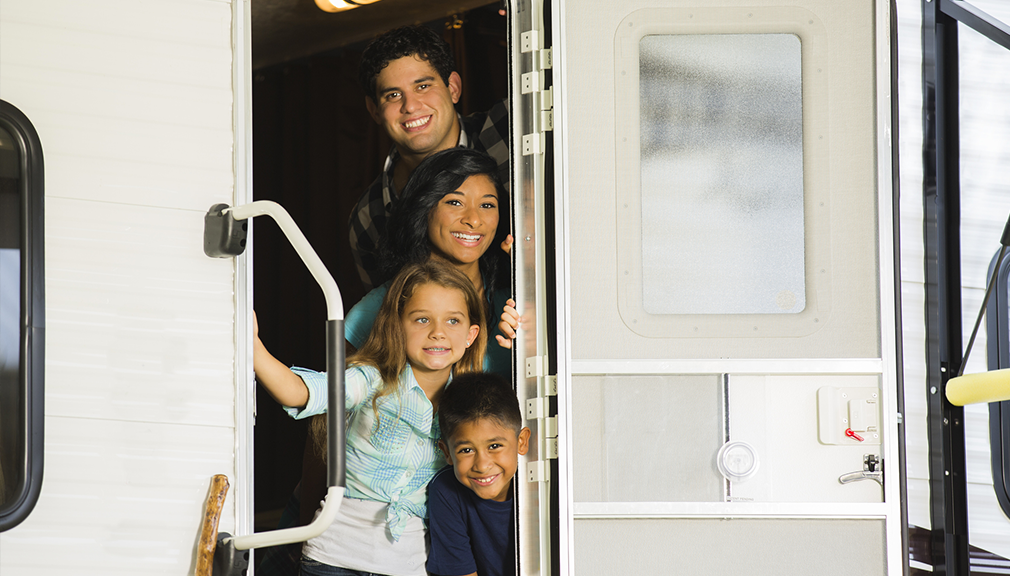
(368, 218)
(494, 137)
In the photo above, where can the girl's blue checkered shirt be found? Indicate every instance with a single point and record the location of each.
(389, 461)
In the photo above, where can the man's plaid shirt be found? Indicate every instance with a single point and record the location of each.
(485, 131)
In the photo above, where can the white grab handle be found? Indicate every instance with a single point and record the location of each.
(331, 505)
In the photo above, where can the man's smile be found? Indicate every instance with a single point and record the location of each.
(417, 123)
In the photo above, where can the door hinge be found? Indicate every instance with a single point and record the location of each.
(538, 409)
(534, 83)
(536, 366)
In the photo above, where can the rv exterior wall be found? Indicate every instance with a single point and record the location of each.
(133, 102)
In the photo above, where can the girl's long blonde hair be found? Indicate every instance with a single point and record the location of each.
(386, 347)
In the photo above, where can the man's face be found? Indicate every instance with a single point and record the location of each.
(485, 455)
(415, 107)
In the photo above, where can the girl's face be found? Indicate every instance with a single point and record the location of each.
(437, 328)
(462, 225)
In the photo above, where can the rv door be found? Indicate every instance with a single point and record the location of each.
(705, 266)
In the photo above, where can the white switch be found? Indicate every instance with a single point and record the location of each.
(863, 415)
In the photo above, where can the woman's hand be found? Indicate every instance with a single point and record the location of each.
(506, 244)
(509, 324)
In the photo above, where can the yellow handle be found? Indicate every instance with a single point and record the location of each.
(992, 386)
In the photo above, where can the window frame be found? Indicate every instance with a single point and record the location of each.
(31, 373)
(998, 357)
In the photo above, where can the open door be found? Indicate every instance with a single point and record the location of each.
(708, 275)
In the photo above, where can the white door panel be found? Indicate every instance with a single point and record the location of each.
(728, 298)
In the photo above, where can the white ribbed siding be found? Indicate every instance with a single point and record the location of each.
(133, 103)
(985, 154)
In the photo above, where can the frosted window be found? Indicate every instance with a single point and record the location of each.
(722, 174)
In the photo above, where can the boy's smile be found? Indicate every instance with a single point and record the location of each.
(485, 455)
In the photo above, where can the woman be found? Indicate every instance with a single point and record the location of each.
(450, 209)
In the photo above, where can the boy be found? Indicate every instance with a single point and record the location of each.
(470, 508)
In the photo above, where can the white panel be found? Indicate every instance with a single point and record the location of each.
(150, 118)
(119, 498)
(139, 322)
(848, 326)
(677, 419)
(752, 547)
(914, 342)
(910, 144)
(132, 100)
(596, 190)
(778, 417)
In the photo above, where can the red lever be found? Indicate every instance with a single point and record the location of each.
(851, 434)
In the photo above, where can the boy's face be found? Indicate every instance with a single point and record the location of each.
(414, 106)
(484, 455)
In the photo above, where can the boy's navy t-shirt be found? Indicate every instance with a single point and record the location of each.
(468, 534)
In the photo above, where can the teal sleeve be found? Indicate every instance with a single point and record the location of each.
(358, 322)
(359, 382)
(498, 359)
(316, 383)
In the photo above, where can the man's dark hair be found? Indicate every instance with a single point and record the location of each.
(478, 396)
(404, 41)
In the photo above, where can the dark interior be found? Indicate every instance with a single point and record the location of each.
(315, 150)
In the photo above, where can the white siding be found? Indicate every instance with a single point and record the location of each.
(985, 154)
(132, 100)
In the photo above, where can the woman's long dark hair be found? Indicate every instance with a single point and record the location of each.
(406, 238)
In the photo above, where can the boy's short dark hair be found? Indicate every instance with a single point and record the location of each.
(404, 41)
(477, 396)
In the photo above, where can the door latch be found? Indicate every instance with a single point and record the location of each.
(873, 469)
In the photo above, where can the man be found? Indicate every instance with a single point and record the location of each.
(411, 88)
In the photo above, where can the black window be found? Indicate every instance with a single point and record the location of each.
(22, 316)
(998, 356)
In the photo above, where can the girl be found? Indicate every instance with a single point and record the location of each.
(450, 211)
(430, 325)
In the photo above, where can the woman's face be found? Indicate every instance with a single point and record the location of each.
(462, 225)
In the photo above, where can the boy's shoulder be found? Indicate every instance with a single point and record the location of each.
(447, 496)
(468, 533)
(444, 483)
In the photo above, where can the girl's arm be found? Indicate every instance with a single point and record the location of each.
(283, 385)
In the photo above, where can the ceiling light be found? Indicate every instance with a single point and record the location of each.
(341, 5)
